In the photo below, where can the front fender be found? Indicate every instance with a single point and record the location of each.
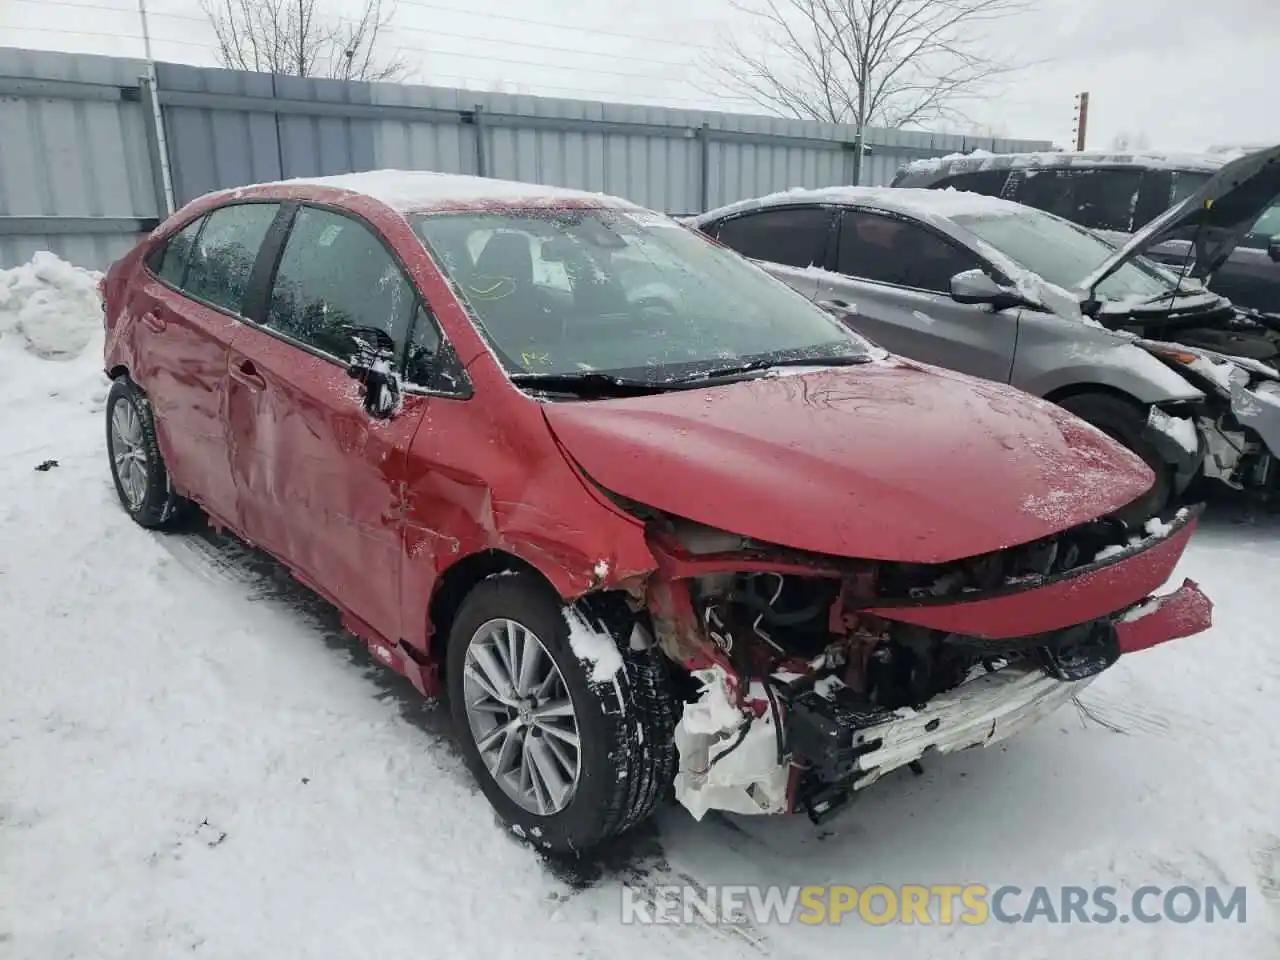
(1045, 369)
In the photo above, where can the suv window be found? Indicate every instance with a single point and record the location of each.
(169, 260)
(1097, 199)
(795, 237)
(224, 254)
(889, 250)
(1266, 227)
(334, 274)
(987, 182)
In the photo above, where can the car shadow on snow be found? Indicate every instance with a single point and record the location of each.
(221, 557)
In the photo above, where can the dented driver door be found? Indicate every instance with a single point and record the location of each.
(321, 479)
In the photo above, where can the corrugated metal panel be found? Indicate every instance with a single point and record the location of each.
(72, 157)
(422, 145)
(82, 151)
(211, 149)
(322, 146)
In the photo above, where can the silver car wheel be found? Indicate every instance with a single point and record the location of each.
(522, 717)
(129, 453)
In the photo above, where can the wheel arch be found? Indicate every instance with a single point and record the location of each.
(1094, 389)
(460, 579)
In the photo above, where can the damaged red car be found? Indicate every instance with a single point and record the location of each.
(658, 524)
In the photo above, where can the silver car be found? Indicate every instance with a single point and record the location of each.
(1006, 292)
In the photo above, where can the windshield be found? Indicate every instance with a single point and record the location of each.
(1064, 254)
(628, 293)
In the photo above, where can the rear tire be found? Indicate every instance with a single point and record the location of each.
(623, 724)
(137, 467)
(1124, 422)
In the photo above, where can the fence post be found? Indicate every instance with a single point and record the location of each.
(704, 161)
(157, 149)
(482, 160)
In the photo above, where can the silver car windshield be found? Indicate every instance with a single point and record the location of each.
(1064, 254)
(628, 293)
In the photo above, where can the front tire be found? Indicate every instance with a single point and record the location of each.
(1125, 422)
(137, 467)
(567, 754)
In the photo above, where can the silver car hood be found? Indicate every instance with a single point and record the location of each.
(1221, 211)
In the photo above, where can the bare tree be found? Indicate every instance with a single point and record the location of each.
(888, 63)
(298, 38)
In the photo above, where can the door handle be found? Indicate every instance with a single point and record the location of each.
(245, 372)
(155, 321)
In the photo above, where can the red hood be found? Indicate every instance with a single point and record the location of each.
(891, 461)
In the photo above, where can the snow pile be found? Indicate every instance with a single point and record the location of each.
(1182, 430)
(51, 305)
(593, 647)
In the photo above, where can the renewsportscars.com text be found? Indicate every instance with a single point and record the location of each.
(935, 904)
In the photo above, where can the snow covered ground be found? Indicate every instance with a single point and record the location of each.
(194, 760)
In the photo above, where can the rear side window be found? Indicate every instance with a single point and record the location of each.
(889, 250)
(795, 237)
(170, 260)
(987, 182)
(224, 254)
(336, 274)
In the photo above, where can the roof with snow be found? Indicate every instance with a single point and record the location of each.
(981, 160)
(919, 203)
(419, 190)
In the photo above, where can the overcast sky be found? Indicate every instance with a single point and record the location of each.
(1183, 74)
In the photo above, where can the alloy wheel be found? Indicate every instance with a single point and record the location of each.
(522, 717)
(129, 453)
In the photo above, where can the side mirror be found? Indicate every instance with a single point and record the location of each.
(374, 365)
(975, 287)
(1273, 249)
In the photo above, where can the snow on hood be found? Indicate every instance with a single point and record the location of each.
(49, 307)
(1222, 211)
(889, 460)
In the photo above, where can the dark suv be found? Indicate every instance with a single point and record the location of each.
(1117, 194)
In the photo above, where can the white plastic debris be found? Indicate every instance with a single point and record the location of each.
(722, 765)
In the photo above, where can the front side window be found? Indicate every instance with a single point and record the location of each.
(334, 275)
(220, 265)
(1064, 254)
(646, 297)
(794, 237)
(891, 250)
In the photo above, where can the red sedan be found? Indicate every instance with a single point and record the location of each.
(653, 520)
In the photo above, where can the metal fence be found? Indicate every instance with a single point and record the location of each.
(81, 158)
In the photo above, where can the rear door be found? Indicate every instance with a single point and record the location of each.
(895, 273)
(320, 480)
(187, 312)
(787, 241)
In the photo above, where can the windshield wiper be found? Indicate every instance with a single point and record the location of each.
(587, 383)
(751, 366)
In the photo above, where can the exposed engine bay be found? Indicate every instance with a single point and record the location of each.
(811, 688)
